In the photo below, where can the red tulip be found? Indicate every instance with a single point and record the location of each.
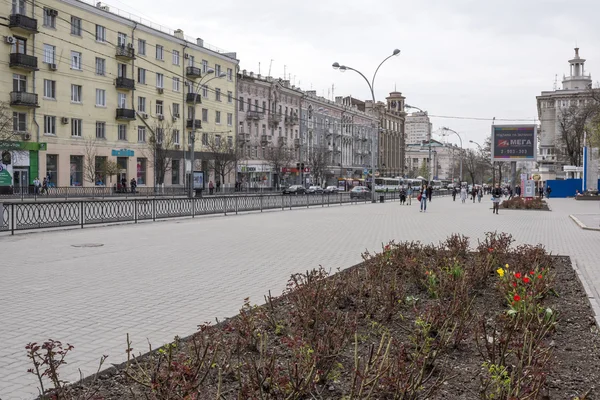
(526, 280)
(518, 275)
(516, 297)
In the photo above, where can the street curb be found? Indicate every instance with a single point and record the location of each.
(582, 225)
(592, 295)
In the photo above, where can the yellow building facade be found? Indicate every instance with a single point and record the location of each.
(95, 86)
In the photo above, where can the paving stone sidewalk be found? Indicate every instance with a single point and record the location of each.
(158, 280)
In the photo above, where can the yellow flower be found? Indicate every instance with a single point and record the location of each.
(506, 266)
(500, 272)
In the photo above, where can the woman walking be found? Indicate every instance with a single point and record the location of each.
(463, 194)
(496, 196)
(479, 194)
(423, 198)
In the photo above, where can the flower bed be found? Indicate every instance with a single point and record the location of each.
(412, 322)
(519, 203)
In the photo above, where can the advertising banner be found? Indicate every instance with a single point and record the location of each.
(514, 142)
(198, 179)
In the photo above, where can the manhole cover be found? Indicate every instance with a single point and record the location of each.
(88, 245)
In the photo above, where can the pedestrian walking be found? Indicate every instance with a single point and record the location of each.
(218, 186)
(479, 194)
(410, 195)
(133, 184)
(423, 198)
(473, 193)
(496, 196)
(548, 191)
(518, 191)
(541, 191)
(429, 192)
(211, 187)
(402, 197)
(36, 185)
(463, 194)
(454, 191)
(45, 186)
(124, 185)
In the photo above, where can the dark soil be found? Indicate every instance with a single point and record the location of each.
(263, 342)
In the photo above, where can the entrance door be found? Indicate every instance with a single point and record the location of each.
(20, 180)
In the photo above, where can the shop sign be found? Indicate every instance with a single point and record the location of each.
(122, 153)
(5, 175)
(9, 145)
(254, 168)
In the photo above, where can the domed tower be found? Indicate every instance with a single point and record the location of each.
(577, 78)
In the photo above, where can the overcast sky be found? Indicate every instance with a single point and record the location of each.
(463, 58)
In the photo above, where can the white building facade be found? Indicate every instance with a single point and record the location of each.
(418, 128)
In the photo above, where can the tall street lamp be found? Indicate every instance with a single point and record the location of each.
(374, 149)
(429, 173)
(461, 150)
(481, 150)
(193, 134)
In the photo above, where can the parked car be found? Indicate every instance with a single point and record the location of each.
(360, 192)
(331, 190)
(294, 189)
(314, 190)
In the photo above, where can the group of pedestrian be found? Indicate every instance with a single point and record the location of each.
(211, 187)
(121, 186)
(40, 187)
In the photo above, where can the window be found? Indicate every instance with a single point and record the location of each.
(218, 94)
(121, 39)
(249, 104)
(191, 61)
(141, 134)
(229, 74)
(204, 66)
(121, 70)
(49, 125)
(76, 125)
(141, 47)
(75, 26)
(76, 171)
(50, 18)
(176, 110)
(218, 140)
(99, 170)
(141, 104)
(52, 168)
(241, 104)
(175, 136)
(256, 106)
(159, 107)
(76, 93)
(175, 57)
(174, 172)
(205, 91)
(122, 100)
(175, 84)
(229, 141)
(19, 122)
(217, 117)
(204, 115)
(205, 139)
(159, 52)
(76, 60)
(18, 7)
(160, 78)
(100, 97)
(49, 89)
(230, 119)
(122, 132)
(229, 97)
(100, 33)
(217, 70)
(100, 66)
(141, 75)
(100, 130)
(49, 54)
(141, 171)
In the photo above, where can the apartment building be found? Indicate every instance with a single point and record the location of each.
(89, 85)
(268, 129)
(418, 128)
(443, 164)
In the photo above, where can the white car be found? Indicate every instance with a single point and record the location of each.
(315, 190)
(331, 189)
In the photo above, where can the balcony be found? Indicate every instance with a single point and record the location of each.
(23, 62)
(291, 120)
(274, 119)
(193, 124)
(296, 143)
(244, 137)
(283, 140)
(193, 98)
(23, 99)
(125, 114)
(265, 139)
(193, 72)
(125, 83)
(254, 115)
(22, 23)
(125, 52)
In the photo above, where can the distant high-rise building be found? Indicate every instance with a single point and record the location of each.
(418, 128)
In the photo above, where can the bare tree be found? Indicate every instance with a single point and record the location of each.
(224, 155)
(7, 131)
(318, 159)
(471, 163)
(161, 144)
(594, 121)
(90, 153)
(278, 156)
(110, 168)
(573, 122)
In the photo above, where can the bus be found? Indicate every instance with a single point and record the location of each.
(346, 184)
(414, 183)
(387, 184)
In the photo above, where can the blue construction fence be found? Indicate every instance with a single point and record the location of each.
(565, 188)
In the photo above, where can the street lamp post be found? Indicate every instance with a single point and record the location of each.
(481, 150)
(375, 149)
(461, 151)
(193, 134)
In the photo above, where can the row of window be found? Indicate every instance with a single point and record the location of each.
(247, 106)
(264, 130)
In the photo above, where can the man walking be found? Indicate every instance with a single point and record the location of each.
(423, 198)
(548, 191)
(496, 195)
(36, 185)
(429, 191)
(410, 195)
(454, 194)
